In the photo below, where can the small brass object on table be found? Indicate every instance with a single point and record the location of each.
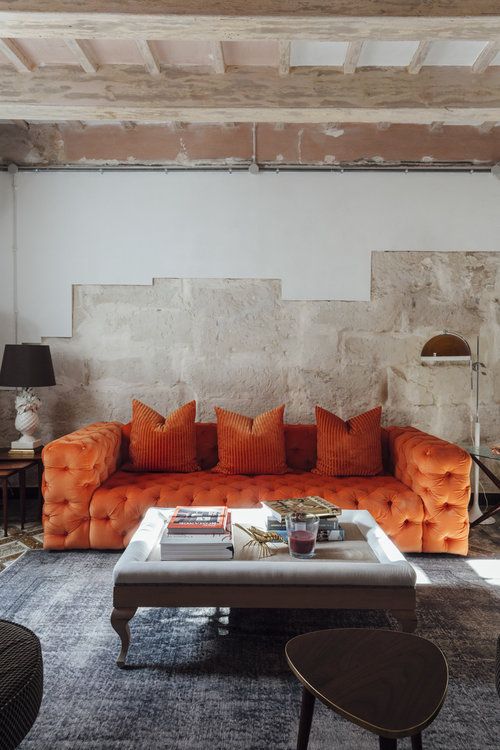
(261, 538)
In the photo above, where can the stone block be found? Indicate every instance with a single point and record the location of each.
(237, 344)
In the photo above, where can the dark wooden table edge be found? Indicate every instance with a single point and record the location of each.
(380, 731)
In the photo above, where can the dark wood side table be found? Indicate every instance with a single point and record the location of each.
(484, 452)
(392, 684)
(11, 466)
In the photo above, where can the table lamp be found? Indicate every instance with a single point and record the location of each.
(27, 366)
(453, 347)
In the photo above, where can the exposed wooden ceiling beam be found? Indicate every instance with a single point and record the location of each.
(251, 19)
(419, 57)
(83, 54)
(352, 57)
(149, 57)
(17, 123)
(218, 62)
(486, 57)
(443, 94)
(16, 56)
(284, 58)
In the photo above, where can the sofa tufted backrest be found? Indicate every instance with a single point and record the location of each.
(300, 445)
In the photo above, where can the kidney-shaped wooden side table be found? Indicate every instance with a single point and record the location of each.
(10, 467)
(392, 684)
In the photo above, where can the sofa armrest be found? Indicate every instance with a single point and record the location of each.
(75, 465)
(439, 472)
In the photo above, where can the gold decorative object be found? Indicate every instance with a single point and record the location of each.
(261, 538)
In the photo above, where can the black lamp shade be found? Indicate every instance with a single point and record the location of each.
(27, 366)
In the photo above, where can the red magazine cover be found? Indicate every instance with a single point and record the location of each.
(206, 520)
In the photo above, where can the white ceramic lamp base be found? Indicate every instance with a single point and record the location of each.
(25, 443)
(27, 421)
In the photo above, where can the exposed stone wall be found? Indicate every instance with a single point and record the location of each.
(237, 343)
(198, 144)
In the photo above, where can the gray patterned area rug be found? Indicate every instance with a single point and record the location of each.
(208, 679)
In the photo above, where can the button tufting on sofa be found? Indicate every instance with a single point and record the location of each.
(416, 518)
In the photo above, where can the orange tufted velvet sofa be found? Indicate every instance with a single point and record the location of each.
(420, 501)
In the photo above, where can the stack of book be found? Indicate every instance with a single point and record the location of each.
(329, 530)
(197, 534)
(24, 452)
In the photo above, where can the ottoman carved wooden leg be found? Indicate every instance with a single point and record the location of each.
(120, 619)
(407, 619)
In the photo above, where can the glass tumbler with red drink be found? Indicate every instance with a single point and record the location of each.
(302, 530)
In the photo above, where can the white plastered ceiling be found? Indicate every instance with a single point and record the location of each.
(45, 52)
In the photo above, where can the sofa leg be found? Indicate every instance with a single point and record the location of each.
(407, 619)
(120, 619)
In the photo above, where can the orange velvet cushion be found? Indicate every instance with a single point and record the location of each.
(349, 449)
(163, 443)
(251, 446)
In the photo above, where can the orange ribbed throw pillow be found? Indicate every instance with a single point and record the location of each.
(349, 449)
(251, 446)
(163, 443)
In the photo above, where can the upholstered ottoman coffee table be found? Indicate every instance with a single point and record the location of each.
(366, 571)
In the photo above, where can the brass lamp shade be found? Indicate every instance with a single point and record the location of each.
(446, 347)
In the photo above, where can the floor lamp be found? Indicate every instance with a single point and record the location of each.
(453, 347)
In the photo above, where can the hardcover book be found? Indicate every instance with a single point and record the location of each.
(329, 530)
(196, 546)
(206, 520)
(325, 524)
(310, 504)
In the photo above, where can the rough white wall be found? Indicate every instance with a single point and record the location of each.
(239, 344)
(6, 313)
(243, 343)
(315, 232)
